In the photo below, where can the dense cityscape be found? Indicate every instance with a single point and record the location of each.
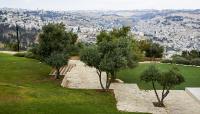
(176, 30)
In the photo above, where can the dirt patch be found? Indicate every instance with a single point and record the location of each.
(74, 58)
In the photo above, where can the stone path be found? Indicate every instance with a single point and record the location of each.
(82, 77)
(9, 52)
(129, 97)
(194, 92)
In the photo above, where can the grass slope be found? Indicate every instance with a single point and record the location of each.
(191, 74)
(25, 88)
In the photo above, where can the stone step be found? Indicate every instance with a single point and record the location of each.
(194, 93)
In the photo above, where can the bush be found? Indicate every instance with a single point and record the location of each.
(11, 46)
(166, 61)
(27, 55)
(181, 60)
(30, 55)
(195, 61)
(20, 54)
(34, 49)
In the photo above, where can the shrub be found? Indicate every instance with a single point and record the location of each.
(11, 46)
(27, 55)
(20, 54)
(166, 61)
(195, 61)
(181, 60)
(30, 55)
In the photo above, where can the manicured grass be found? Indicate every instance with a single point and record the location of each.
(191, 74)
(26, 88)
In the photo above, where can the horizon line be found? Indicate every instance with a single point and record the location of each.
(38, 9)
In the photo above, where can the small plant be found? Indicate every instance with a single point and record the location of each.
(20, 54)
(56, 61)
(167, 80)
(166, 61)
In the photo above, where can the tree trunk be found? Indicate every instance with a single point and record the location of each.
(156, 92)
(57, 73)
(99, 74)
(164, 95)
(108, 82)
(113, 76)
(18, 41)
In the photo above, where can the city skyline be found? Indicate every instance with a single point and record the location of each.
(100, 4)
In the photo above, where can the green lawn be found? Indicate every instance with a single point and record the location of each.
(25, 88)
(191, 74)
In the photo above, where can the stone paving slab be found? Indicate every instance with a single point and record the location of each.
(194, 92)
(129, 97)
(82, 77)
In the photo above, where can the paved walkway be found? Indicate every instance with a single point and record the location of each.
(129, 97)
(9, 52)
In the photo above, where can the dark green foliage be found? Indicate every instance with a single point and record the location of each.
(34, 49)
(118, 47)
(151, 74)
(113, 35)
(31, 55)
(11, 46)
(185, 54)
(195, 61)
(55, 38)
(181, 60)
(56, 60)
(166, 61)
(188, 58)
(91, 56)
(191, 54)
(167, 80)
(20, 54)
(114, 51)
(194, 54)
(171, 78)
(154, 51)
(26, 54)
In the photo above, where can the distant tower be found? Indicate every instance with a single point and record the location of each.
(165, 52)
(79, 29)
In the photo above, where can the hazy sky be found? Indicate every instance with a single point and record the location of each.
(101, 4)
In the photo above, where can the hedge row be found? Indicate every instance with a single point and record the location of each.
(182, 60)
(27, 55)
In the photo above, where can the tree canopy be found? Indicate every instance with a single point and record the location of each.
(113, 51)
(167, 80)
(54, 38)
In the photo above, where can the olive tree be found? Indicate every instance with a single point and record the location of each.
(152, 75)
(167, 80)
(53, 44)
(118, 46)
(57, 60)
(54, 38)
(91, 57)
(109, 57)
